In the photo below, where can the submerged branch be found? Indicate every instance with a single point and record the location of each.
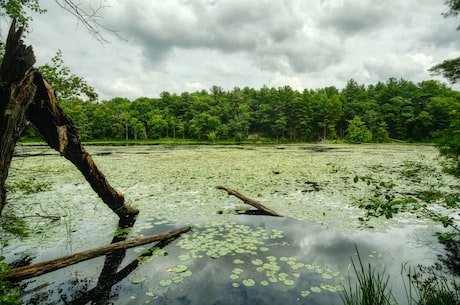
(250, 201)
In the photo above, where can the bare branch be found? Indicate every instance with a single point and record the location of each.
(89, 17)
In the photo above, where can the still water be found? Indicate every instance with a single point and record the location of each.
(302, 258)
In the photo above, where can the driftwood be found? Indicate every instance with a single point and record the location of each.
(26, 272)
(250, 201)
(26, 96)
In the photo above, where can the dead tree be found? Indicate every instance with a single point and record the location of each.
(26, 96)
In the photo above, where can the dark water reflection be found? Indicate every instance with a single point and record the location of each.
(107, 281)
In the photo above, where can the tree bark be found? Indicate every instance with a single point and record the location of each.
(26, 95)
(26, 272)
(250, 201)
(61, 134)
(16, 94)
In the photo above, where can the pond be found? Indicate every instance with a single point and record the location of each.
(227, 258)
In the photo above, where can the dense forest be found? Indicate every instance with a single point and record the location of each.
(395, 109)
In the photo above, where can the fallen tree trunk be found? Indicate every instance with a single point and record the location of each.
(250, 201)
(61, 134)
(26, 272)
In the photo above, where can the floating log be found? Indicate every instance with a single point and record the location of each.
(27, 272)
(250, 201)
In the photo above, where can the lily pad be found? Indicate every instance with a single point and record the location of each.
(179, 268)
(184, 257)
(305, 293)
(234, 276)
(249, 282)
(315, 289)
(165, 283)
(137, 279)
(187, 273)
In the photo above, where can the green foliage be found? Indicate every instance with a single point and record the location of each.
(449, 68)
(14, 225)
(396, 109)
(18, 9)
(357, 131)
(432, 286)
(384, 200)
(9, 295)
(28, 186)
(454, 8)
(381, 133)
(426, 286)
(449, 144)
(66, 85)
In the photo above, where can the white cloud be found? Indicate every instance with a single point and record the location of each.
(183, 45)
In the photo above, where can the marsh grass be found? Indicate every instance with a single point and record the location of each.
(431, 286)
(372, 287)
(423, 286)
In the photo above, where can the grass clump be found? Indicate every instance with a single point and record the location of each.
(371, 288)
(426, 286)
(431, 286)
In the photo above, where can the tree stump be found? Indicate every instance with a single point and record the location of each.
(26, 96)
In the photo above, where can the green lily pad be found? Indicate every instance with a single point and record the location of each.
(238, 261)
(165, 283)
(315, 289)
(289, 282)
(249, 282)
(184, 257)
(305, 293)
(257, 262)
(179, 268)
(187, 273)
(137, 279)
(264, 283)
(234, 276)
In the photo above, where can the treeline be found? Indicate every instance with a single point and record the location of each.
(396, 109)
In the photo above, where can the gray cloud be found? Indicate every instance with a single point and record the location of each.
(183, 45)
(352, 17)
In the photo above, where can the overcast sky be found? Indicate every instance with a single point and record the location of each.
(189, 45)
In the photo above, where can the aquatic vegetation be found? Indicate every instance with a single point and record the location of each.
(342, 189)
(138, 279)
(28, 186)
(372, 286)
